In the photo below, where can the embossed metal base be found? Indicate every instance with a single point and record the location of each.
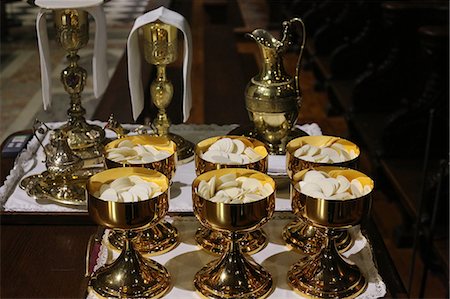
(326, 275)
(68, 191)
(131, 276)
(307, 239)
(159, 239)
(216, 242)
(233, 276)
(185, 148)
(274, 149)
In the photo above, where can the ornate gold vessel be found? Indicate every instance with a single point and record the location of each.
(234, 274)
(130, 275)
(160, 49)
(273, 97)
(327, 274)
(72, 33)
(301, 234)
(214, 241)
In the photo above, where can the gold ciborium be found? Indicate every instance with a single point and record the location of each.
(72, 33)
(300, 233)
(163, 236)
(272, 97)
(130, 275)
(327, 274)
(160, 49)
(234, 274)
(213, 240)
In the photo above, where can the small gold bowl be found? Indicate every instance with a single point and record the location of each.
(233, 275)
(166, 166)
(202, 166)
(295, 164)
(121, 279)
(211, 240)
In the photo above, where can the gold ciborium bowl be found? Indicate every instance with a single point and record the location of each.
(213, 240)
(163, 236)
(130, 275)
(300, 234)
(234, 274)
(327, 274)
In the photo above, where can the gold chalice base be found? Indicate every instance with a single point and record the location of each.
(85, 139)
(159, 239)
(306, 238)
(216, 242)
(233, 276)
(185, 148)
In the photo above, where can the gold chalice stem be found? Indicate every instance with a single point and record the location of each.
(327, 275)
(161, 91)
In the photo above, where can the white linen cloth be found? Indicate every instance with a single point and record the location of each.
(99, 65)
(134, 58)
(187, 258)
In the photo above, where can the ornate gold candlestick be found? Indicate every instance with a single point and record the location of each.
(160, 49)
(130, 275)
(72, 33)
(327, 274)
(234, 275)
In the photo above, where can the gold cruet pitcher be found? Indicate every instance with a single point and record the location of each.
(273, 97)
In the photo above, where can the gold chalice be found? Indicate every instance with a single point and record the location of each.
(72, 33)
(234, 274)
(327, 274)
(130, 275)
(213, 240)
(301, 234)
(160, 43)
(163, 236)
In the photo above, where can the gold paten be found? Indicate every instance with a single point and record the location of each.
(160, 49)
(327, 274)
(162, 237)
(234, 274)
(72, 33)
(130, 275)
(273, 97)
(214, 241)
(301, 234)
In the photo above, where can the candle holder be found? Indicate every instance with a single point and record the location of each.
(72, 34)
(130, 275)
(234, 274)
(160, 49)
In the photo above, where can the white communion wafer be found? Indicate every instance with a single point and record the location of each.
(334, 153)
(128, 152)
(128, 189)
(235, 189)
(230, 151)
(318, 184)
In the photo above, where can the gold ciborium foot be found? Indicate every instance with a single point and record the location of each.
(185, 148)
(326, 275)
(234, 275)
(216, 242)
(131, 276)
(84, 139)
(158, 239)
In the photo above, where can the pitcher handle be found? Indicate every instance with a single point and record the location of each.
(300, 55)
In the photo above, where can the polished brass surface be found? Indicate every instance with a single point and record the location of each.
(72, 34)
(327, 274)
(160, 49)
(234, 275)
(166, 166)
(301, 234)
(202, 166)
(214, 241)
(130, 275)
(156, 240)
(273, 97)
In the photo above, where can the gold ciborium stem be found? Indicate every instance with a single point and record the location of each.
(161, 91)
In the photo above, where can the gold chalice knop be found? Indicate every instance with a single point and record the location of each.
(234, 274)
(130, 275)
(160, 49)
(327, 274)
(72, 33)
